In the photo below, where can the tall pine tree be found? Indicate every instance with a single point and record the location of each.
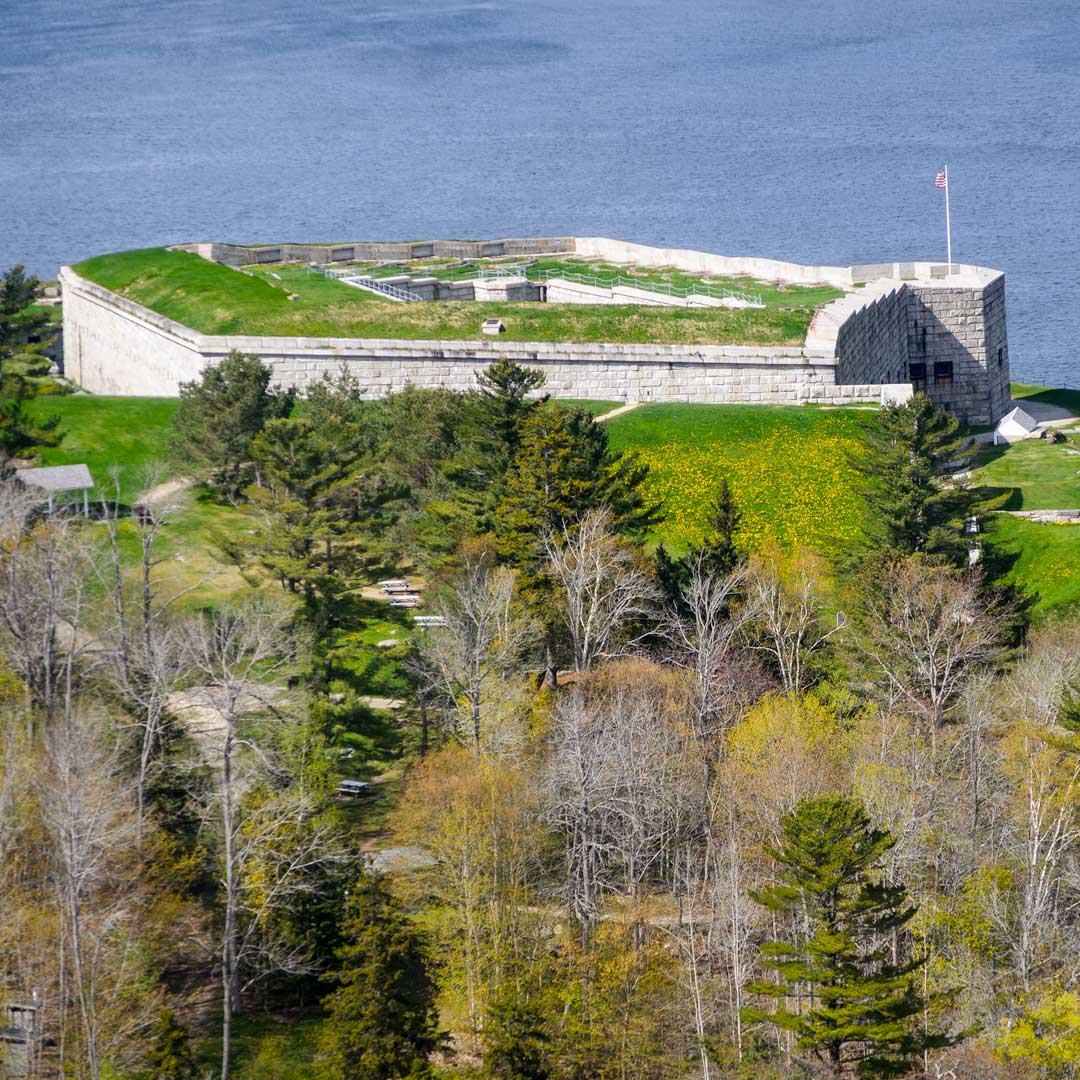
(717, 554)
(221, 412)
(503, 402)
(911, 506)
(381, 1020)
(24, 326)
(516, 1039)
(840, 988)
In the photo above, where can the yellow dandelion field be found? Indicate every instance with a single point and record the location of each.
(793, 488)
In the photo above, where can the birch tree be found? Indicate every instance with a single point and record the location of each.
(783, 610)
(925, 629)
(483, 636)
(87, 810)
(143, 642)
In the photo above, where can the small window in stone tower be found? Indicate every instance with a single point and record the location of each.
(917, 373)
(1001, 357)
(943, 370)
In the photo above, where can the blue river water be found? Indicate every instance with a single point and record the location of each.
(807, 130)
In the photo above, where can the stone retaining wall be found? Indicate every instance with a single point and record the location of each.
(237, 255)
(116, 347)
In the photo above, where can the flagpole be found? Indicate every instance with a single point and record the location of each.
(948, 223)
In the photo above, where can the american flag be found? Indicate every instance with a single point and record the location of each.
(941, 180)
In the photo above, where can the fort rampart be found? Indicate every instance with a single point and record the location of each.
(908, 326)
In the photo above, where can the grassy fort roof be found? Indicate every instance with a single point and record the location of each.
(213, 298)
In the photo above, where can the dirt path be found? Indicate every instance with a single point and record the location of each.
(170, 487)
(617, 412)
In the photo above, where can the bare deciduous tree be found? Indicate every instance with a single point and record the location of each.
(240, 657)
(783, 614)
(603, 584)
(87, 810)
(143, 642)
(927, 629)
(483, 637)
(45, 563)
(705, 640)
(618, 786)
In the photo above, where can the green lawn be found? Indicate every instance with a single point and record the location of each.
(1047, 558)
(1034, 474)
(132, 434)
(1067, 399)
(217, 299)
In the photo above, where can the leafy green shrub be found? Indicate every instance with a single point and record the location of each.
(29, 364)
(52, 388)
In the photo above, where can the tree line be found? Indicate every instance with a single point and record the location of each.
(708, 813)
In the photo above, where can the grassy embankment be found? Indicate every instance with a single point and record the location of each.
(1036, 475)
(216, 299)
(787, 467)
(125, 442)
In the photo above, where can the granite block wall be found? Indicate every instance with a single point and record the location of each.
(863, 347)
(871, 344)
(958, 336)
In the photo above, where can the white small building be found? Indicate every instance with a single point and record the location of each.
(1014, 426)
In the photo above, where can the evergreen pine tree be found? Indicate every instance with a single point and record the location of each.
(564, 467)
(717, 554)
(381, 1021)
(503, 402)
(22, 323)
(320, 514)
(857, 1009)
(672, 575)
(516, 1040)
(222, 411)
(170, 1056)
(909, 506)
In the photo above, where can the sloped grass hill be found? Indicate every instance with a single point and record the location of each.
(216, 299)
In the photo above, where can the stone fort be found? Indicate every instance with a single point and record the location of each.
(899, 328)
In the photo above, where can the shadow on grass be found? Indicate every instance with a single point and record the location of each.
(1002, 498)
(1062, 398)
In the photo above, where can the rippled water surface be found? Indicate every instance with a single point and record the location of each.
(807, 131)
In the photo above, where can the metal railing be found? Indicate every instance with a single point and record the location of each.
(360, 281)
(531, 273)
(611, 281)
